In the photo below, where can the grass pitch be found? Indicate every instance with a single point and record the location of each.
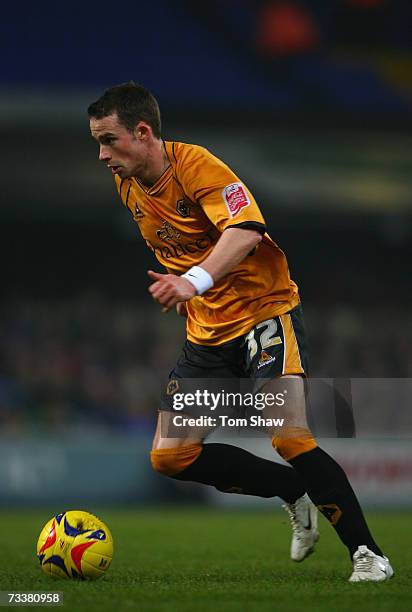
(196, 560)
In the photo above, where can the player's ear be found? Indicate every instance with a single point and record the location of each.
(142, 130)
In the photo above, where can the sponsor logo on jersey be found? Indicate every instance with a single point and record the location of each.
(265, 359)
(168, 232)
(236, 198)
(172, 250)
(183, 208)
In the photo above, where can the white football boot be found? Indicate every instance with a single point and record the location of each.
(304, 518)
(369, 567)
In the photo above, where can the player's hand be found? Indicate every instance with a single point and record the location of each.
(181, 309)
(168, 289)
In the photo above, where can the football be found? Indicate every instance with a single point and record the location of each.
(75, 544)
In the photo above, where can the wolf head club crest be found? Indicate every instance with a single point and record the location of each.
(183, 208)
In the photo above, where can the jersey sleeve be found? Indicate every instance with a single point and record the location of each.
(223, 196)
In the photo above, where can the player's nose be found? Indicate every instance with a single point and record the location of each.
(104, 154)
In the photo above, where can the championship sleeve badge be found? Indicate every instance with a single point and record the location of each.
(236, 198)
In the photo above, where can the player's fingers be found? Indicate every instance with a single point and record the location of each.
(170, 302)
(155, 275)
(155, 288)
(161, 293)
(164, 300)
(159, 288)
(169, 305)
(181, 309)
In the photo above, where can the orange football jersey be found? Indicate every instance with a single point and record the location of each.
(182, 216)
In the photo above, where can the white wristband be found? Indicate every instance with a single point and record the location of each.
(200, 279)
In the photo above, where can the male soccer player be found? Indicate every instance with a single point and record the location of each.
(244, 319)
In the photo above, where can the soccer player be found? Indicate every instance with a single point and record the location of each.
(244, 319)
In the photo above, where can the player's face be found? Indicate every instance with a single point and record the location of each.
(124, 152)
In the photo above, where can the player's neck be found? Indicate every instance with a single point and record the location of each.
(157, 163)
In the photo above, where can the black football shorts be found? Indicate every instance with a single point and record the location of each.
(272, 348)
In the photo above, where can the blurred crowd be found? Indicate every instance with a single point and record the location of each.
(92, 361)
(296, 26)
(82, 361)
(273, 55)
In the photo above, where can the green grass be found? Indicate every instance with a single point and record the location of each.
(196, 560)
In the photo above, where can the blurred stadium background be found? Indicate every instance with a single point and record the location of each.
(310, 103)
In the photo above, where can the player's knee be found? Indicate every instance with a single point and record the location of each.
(172, 461)
(293, 441)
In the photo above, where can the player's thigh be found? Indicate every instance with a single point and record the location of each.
(199, 370)
(172, 432)
(291, 405)
(276, 358)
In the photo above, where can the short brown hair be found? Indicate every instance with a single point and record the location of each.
(132, 103)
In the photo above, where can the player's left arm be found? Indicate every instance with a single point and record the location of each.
(231, 248)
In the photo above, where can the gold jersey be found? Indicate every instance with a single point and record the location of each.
(182, 216)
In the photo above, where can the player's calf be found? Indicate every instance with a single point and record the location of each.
(329, 489)
(229, 469)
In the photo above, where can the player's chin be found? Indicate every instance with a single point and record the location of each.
(121, 172)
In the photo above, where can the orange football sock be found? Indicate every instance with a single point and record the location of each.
(171, 461)
(293, 441)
